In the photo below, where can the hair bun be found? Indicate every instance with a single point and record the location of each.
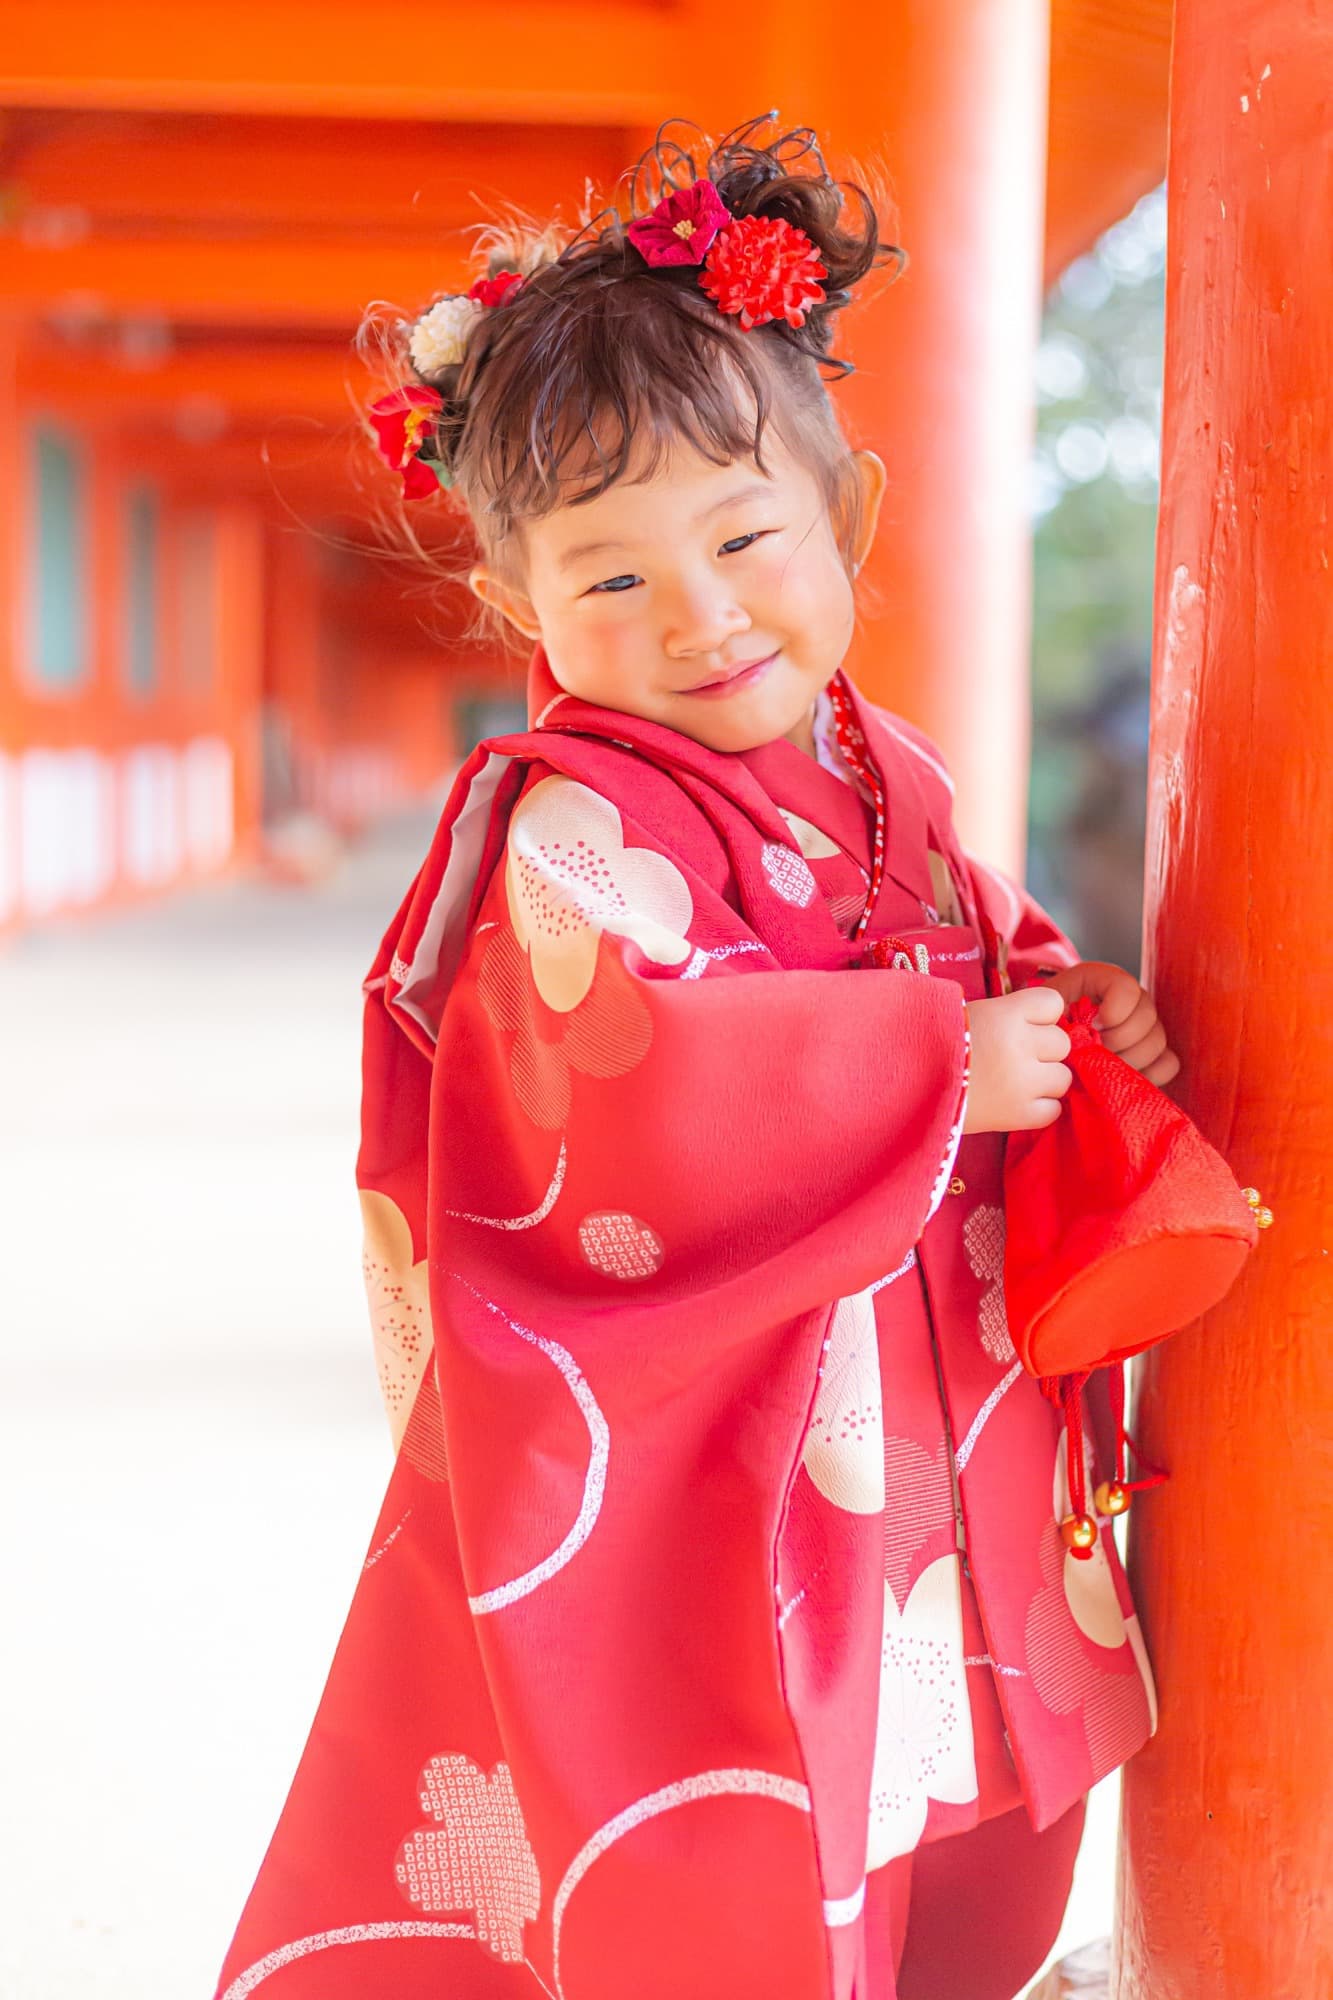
(552, 393)
(839, 217)
(785, 178)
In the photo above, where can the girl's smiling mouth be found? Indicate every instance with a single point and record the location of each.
(738, 678)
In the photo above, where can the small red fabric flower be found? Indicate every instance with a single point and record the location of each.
(496, 291)
(402, 421)
(681, 227)
(763, 268)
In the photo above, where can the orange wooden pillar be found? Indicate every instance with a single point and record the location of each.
(952, 102)
(240, 642)
(293, 686)
(1226, 1862)
(10, 738)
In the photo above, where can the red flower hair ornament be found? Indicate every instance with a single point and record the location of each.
(763, 268)
(402, 422)
(496, 291)
(407, 419)
(756, 267)
(682, 226)
(759, 267)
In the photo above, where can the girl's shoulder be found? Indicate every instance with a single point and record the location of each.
(595, 791)
(928, 759)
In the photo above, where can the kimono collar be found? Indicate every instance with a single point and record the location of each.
(909, 831)
(780, 766)
(550, 708)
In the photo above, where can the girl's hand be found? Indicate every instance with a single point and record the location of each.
(1017, 1073)
(1126, 1016)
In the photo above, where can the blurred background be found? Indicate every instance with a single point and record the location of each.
(228, 719)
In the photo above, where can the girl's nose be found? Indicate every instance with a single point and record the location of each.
(701, 620)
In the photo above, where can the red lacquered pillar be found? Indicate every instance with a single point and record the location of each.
(1226, 1860)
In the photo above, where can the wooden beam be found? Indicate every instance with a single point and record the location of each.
(254, 281)
(298, 382)
(550, 69)
(411, 183)
(254, 223)
(572, 62)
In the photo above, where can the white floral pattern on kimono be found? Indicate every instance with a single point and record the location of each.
(570, 877)
(983, 1238)
(923, 1738)
(475, 1856)
(1090, 1590)
(844, 1446)
(399, 1300)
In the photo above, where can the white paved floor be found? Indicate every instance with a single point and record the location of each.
(194, 1451)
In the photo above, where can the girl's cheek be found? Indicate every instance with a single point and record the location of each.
(807, 584)
(601, 648)
(614, 632)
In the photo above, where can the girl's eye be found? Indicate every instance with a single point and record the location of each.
(615, 584)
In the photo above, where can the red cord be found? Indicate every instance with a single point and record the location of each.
(852, 743)
(1073, 1402)
(1155, 1475)
(1066, 1392)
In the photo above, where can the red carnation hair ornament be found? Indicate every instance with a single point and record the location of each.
(763, 268)
(759, 267)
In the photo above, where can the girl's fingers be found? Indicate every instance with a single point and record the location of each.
(1127, 1033)
(1073, 982)
(1117, 993)
(1147, 1049)
(1052, 1044)
(1042, 1003)
(1162, 1071)
(1042, 1111)
(1055, 1080)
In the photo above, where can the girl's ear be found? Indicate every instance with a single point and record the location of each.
(505, 597)
(872, 478)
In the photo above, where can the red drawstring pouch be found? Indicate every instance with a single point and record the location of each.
(1122, 1222)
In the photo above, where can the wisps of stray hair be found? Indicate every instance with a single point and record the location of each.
(598, 365)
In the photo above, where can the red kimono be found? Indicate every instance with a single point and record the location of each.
(719, 1573)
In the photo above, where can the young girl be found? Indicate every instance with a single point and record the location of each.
(718, 1638)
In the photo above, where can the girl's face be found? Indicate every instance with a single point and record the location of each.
(710, 598)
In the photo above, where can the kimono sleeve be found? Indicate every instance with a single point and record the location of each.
(392, 1170)
(630, 1096)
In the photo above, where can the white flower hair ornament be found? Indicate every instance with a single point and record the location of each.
(438, 340)
(404, 423)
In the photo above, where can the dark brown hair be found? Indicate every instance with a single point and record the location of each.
(599, 358)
